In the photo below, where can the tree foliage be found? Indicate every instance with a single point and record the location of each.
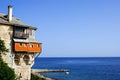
(35, 77)
(6, 73)
(2, 46)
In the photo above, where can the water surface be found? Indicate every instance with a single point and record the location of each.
(95, 68)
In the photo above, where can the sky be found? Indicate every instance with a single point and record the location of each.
(71, 28)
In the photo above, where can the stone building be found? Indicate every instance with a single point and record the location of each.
(19, 38)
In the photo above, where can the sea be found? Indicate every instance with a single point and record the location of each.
(81, 68)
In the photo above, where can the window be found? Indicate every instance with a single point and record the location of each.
(32, 32)
(20, 32)
(17, 59)
(26, 59)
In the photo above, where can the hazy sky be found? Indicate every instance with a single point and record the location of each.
(72, 28)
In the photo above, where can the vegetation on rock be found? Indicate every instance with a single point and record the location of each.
(35, 77)
(2, 47)
(6, 73)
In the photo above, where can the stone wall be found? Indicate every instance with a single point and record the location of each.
(23, 69)
(6, 35)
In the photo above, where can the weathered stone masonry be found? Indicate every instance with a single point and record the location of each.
(19, 38)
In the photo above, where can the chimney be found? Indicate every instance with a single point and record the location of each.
(9, 13)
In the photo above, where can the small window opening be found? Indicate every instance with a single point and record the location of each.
(17, 59)
(26, 59)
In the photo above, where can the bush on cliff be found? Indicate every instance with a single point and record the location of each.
(6, 73)
(35, 77)
(2, 46)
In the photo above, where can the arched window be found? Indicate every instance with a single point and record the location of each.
(17, 59)
(26, 59)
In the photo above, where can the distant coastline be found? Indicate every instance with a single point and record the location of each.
(37, 72)
(38, 76)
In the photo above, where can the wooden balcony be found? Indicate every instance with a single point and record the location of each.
(27, 47)
(20, 47)
(21, 35)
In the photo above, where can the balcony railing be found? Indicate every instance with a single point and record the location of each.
(28, 47)
(21, 35)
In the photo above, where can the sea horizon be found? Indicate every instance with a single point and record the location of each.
(81, 57)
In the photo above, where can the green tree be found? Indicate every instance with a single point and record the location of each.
(6, 73)
(2, 47)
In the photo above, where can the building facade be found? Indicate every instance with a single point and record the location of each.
(19, 38)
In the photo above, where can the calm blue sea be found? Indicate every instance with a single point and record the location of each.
(81, 68)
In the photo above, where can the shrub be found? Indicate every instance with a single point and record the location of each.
(35, 77)
(6, 73)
